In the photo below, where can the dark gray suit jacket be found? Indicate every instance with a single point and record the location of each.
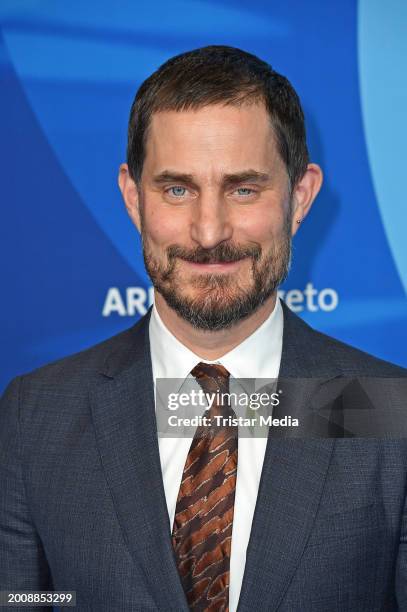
(82, 504)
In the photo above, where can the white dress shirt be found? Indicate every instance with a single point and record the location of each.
(257, 357)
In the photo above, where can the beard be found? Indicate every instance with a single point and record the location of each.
(218, 301)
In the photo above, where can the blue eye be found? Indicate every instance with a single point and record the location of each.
(246, 191)
(177, 191)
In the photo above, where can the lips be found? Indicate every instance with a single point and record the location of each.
(218, 266)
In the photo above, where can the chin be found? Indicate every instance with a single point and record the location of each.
(215, 297)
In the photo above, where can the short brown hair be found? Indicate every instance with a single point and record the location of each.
(220, 74)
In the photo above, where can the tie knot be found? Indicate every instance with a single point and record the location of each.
(213, 370)
(211, 376)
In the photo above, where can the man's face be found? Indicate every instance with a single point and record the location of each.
(214, 211)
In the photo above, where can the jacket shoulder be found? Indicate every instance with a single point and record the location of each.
(84, 367)
(320, 354)
(356, 362)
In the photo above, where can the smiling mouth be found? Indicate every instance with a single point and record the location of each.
(217, 266)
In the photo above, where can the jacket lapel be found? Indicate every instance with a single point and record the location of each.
(293, 476)
(126, 433)
(291, 485)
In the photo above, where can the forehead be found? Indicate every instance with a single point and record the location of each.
(211, 140)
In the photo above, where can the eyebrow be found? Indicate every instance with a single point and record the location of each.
(167, 177)
(246, 176)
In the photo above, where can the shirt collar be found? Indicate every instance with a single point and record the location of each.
(257, 357)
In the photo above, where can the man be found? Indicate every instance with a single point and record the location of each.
(94, 499)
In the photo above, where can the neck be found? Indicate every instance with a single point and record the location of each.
(212, 345)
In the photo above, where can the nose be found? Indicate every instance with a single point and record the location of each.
(211, 223)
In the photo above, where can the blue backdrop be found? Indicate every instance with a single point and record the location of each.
(72, 265)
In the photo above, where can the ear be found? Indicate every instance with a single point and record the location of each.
(305, 192)
(130, 194)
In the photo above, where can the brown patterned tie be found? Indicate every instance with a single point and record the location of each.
(202, 531)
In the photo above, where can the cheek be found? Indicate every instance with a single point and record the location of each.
(265, 220)
(162, 226)
(264, 228)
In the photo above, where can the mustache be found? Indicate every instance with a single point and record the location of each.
(224, 252)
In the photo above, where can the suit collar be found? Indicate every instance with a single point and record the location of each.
(130, 349)
(305, 351)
